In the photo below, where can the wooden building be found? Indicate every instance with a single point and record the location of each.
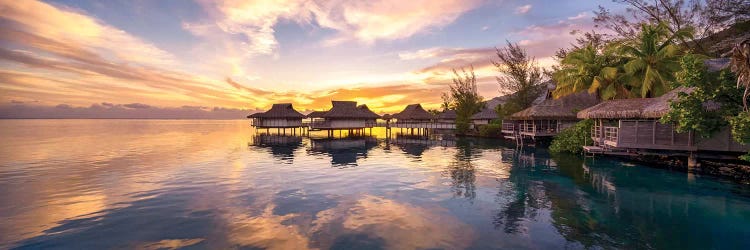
(373, 117)
(280, 115)
(632, 125)
(342, 115)
(413, 116)
(485, 116)
(548, 117)
(447, 116)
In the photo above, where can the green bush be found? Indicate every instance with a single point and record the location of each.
(741, 130)
(462, 125)
(491, 130)
(573, 139)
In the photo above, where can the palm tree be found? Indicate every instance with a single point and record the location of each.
(741, 67)
(577, 71)
(592, 69)
(652, 59)
(609, 84)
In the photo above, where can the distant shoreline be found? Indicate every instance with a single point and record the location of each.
(156, 119)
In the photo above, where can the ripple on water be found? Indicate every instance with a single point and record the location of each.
(92, 184)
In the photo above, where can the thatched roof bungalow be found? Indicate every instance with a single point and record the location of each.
(550, 116)
(281, 115)
(637, 108)
(413, 112)
(447, 116)
(413, 116)
(485, 116)
(372, 116)
(342, 115)
(315, 114)
(631, 124)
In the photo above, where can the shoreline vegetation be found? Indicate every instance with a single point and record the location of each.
(655, 48)
(664, 49)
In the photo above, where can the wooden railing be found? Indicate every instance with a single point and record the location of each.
(610, 134)
(596, 132)
(539, 129)
(320, 124)
(508, 126)
(435, 125)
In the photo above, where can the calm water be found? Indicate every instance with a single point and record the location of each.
(216, 184)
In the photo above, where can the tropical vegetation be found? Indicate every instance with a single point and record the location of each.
(463, 98)
(646, 52)
(573, 139)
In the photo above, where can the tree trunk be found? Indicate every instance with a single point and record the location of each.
(744, 98)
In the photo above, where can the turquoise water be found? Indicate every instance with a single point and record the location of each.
(149, 184)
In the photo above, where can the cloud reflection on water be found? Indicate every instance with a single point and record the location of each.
(216, 184)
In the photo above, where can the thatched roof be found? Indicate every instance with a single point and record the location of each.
(485, 114)
(544, 90)
(448, 114)
(620, 108)
(280, 111)
(386, 117)
(346, 109)
(413, 112)
(316, 114)
(638, 107)
(562, 108)
(364, 109)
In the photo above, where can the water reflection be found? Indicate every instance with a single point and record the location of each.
(416, 145)
(344, 152)
(218, 185)
(281, 147)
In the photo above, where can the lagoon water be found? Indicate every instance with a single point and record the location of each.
(150, 184)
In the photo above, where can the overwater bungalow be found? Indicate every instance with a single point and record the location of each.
(484, 117)
(548, 117)
(629, 126)
(447, 116)
(342, 115)
(281, 115)
(413, 116)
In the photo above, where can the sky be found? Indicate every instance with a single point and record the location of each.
(194, 58)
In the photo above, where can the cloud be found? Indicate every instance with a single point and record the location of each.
(523, 9)
(392, 19)
(53, 54)
(137, 106)
(579, 16)
(366, 21)
(117, 111)
(543, 40)
(81, 30)
(441, 52)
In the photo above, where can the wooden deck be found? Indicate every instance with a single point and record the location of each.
(653, 135)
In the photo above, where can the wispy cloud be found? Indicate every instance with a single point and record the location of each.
(81, 31)
(63, 65)
(54, 54)
(579, 16)
(523, 9)
(365, 22)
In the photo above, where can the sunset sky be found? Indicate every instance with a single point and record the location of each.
(172, 55)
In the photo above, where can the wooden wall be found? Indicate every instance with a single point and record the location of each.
(277, 123)
(651, 134)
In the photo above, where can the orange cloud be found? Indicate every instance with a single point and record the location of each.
(56, 55)
(361, 21)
